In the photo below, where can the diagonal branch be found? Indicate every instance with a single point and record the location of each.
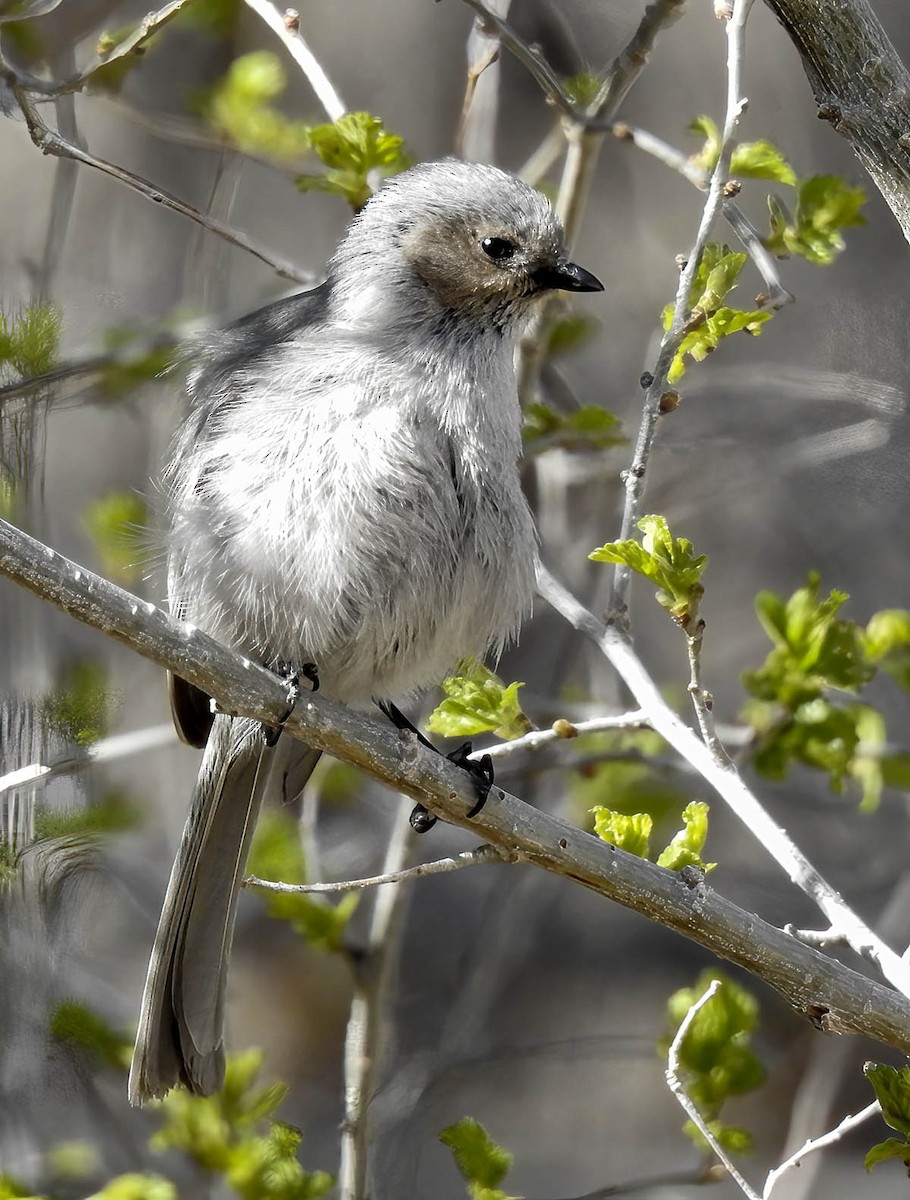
(860, 85)
(832, 996)
(49, 142)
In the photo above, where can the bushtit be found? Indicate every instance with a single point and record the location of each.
(344, 493)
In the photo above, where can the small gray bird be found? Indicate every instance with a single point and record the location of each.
(344, 493)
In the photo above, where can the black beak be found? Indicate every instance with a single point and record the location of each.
(566, 277)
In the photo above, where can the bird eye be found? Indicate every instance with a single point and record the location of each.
(499, 249)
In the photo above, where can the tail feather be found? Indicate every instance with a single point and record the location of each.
(180, 1037)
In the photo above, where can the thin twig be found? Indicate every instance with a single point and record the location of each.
(677, 1087)
(475, 139)
(702, 700)
(687, 166)
(530, 56)
(633, 58)
(111, 749)
(819, 1143)
(147, 27)
(49, 142)
(440, 866)
(634, 477)
(362, 1047)
(560, 731)
(614, 643)
(287, 27)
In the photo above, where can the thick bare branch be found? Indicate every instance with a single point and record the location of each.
(861, 86)
(833, 997)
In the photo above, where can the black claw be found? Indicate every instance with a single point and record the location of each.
(271, 733)
(480, 770)
(310, 671)
(421, 819)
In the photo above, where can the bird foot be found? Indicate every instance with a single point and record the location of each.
(291, 675)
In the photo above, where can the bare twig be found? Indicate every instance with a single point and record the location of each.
(688, 167)
(111, 749)
(726, 781)
(147, 27)
(287, 27)
(440, 866)
(362, 1048)
(702, 700)
(560, 731)
(677, 1087)
(49, 142)
(633, 58)
(530, 56)
(831, 995)
(634, 477)
(476, 136)
(826, 1139)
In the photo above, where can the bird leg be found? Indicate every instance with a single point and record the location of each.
(291, 675)
(480, 770)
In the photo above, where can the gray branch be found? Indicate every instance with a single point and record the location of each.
(834, 998)
(861, 86)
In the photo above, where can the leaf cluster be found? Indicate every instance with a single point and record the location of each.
(892, 1090)
(481, 1162)
(825, 204)
(29, 340)
(80, 1027)
(222, 1135)
(710, 319)
(716, 1055)
(632, 832)
(478, 701)
(588, 428)
(116, 524)
(354, 148)
(277, 854)
(240, 109)
(815, 653)
(80, 706)
(665, 560)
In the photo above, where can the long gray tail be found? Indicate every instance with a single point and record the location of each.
(181, 1022)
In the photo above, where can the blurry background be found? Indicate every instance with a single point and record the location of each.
(518, 998)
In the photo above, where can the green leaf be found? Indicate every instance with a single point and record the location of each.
(113, 813)
(889, 1148)
(137, 1187)
(568, 332)
(892, 1090)
(686, 847)
(478, 701)
(583, 87)
(239, 108)
(352, 147)
(80, 707)
(666, 561)
(887, 643)
(715, 1054)
(11, 1189)
(479, 1159)
(762, 160)
(825, 205)
(78, 1025)
(733, 1138)
(29, 340)
(709, 154)
(118, 527)
(710, 321)
(278, 855)
(591, 427)
(631, 832)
